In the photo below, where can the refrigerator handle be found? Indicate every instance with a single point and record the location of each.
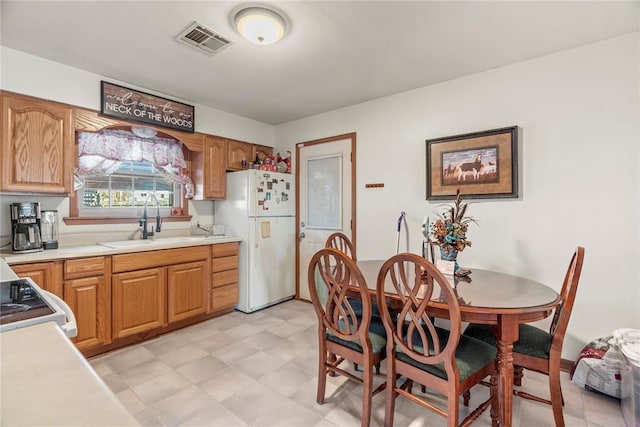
(257, 236)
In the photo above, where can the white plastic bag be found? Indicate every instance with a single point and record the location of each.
(602, 375)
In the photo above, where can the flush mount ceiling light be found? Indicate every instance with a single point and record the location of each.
(260, 25)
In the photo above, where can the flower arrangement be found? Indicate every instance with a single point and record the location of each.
(450, 230)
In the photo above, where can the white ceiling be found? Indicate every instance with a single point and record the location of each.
(337, 53)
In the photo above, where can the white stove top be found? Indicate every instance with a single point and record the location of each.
(23, 303)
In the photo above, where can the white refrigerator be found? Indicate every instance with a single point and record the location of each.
(260, 209)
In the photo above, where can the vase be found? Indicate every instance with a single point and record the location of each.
(450, 254)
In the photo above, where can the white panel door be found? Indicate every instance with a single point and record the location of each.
(326, 198)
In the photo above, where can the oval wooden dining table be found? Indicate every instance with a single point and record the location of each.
(490, 298)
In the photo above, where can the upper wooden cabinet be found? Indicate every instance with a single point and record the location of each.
(261, 151)
(37, 145)
(237, 151)
(208, 169)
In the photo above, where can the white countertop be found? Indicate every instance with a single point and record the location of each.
(98, 250)
(6, 273)
(46, 381)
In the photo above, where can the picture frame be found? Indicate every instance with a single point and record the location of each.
(141, 107)
(481, 164)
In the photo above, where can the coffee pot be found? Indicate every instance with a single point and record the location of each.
(25, 227)
(49, 224)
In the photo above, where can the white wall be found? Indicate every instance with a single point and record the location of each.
(578, 116)
(35, 76)
(578, 113)
(31, 75)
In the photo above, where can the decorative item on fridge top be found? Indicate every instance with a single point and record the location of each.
(449, 232)
(284, 163)
(275, 163)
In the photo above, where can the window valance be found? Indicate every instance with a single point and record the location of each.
(101, 153)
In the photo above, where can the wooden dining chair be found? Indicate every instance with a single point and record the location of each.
(341, 242)
(539, 350)
(344, 333)
(417, 350)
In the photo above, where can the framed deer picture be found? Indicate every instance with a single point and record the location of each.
(480, 164)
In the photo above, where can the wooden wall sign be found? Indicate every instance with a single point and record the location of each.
(129, 104)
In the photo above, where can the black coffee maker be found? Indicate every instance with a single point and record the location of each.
(25, 227)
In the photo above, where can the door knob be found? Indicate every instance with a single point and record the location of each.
(302, 235)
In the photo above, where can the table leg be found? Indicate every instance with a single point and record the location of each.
(507, 334)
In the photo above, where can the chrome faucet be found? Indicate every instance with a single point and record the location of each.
(143, 221)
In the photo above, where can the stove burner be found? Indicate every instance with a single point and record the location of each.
(8, 309)
(24, 302)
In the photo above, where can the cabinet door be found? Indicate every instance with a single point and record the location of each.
(37, 146)
(188, 287)
(215, 177)
(47, 275)
(87, 298)
(261, 151)
(139, 301)
(237, 151)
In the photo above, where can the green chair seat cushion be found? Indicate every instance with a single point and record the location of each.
(357, 307)
(377, 335)
(532, 341)
(471, 355)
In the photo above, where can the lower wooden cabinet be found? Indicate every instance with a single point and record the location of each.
(224, 277)
(87, 291)
(153, 289)
(144, 293)
(187, 287)
(139, 301)
(88, 300)
(47, 275)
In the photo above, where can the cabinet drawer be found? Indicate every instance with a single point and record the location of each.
(224, 297)
(224, 249)
(224, 263)
(142, 260)
(84, 267)
(224, 278)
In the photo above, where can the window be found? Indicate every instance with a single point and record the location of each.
(125, 191)
(118, 171)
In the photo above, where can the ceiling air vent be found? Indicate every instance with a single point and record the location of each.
(204, 39)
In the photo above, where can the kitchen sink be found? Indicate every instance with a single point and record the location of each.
(179, 239)
(126, 244)
(159, 241)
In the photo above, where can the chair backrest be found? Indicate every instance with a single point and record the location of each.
(336, 275)
(567, 297)
(417, 282)
(342, 243)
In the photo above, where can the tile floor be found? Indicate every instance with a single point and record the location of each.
(260, 370)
